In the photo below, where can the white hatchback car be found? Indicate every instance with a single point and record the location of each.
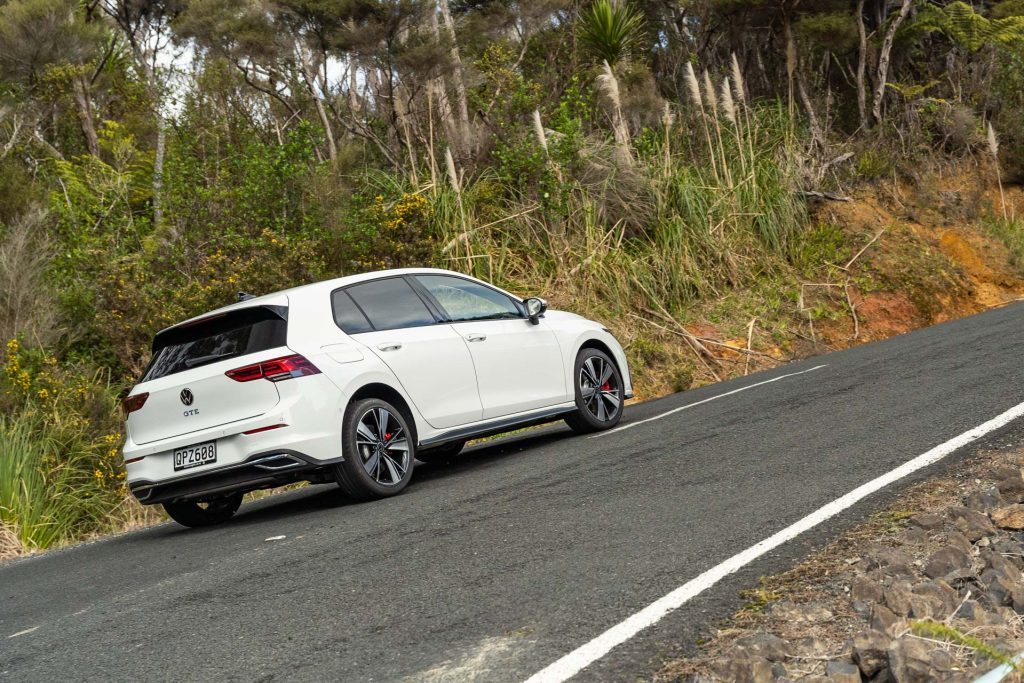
(351, 380)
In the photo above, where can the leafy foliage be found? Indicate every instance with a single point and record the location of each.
(611, 30)
(970, 29)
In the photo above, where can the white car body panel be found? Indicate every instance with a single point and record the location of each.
(454, 388)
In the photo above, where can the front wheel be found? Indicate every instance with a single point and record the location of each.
(198, 513)
(379, 450)
(599, 393)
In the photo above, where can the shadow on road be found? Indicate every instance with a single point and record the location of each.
(328, 497)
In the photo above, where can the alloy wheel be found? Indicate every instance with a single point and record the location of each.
(383, 446)
(599, 387)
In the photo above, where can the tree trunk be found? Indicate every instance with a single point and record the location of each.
(883, 59)
(444, 106)
(307, 76)
(158, 169)
(862, 65)
(460, 84)
(85, 119)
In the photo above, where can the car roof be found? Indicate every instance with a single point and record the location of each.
(280, 298)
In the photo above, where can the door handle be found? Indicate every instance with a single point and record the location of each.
(476, 337)
(389, 347)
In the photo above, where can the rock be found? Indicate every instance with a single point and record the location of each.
(910, 661)
(779, 672)
(862, 609)
(865, 589)
(945, 561)
(752, 670)
(941, 661)
(1017, 599)
(1009, 547)
(871, 651)
(811, 647)
(1005, 471)
(927, 521)
(766, 645)
(958, 540)
(897, 598)
(842, 672)
(885, 557)
(914, 536)
(971, 523)
(1011, 488)
(885, 620)
(970, 610)
(997, 587)
(996, 561)
(942, 592)
(984, 500)
(794, 613)
(1009, 516)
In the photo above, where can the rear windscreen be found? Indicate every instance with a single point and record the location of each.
(221, 337)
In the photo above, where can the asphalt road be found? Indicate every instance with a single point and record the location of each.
(521, 551)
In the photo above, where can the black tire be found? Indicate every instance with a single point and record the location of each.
(598, 399)
(371, 468)
(195, 513)
(442, 453)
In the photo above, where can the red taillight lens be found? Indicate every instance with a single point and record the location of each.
(133, 403)
(274, 370)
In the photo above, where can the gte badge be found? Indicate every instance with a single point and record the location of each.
(187, 398)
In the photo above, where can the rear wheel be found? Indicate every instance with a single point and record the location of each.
(379, 451)
(599, 394)
(442, 453)
(197, 513)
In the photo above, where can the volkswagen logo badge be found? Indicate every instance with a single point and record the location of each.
(187, 397)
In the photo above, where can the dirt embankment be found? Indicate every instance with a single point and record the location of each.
(898, 257)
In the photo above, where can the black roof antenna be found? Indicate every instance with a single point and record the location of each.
(244, 296)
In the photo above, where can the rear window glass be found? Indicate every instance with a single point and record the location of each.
(221, 337)
(347, 315)
(390, 304)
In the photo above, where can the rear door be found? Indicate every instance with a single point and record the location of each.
(188, 390)
(429, 359)
(518, 364)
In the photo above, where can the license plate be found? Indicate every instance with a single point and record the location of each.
(195, 456)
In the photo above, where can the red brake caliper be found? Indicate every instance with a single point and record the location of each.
(607, 386)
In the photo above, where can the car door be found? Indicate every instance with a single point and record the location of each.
(518, 364)
(430, 360)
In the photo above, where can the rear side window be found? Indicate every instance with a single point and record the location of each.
(390, 304)
(221, 337)
(347, 315)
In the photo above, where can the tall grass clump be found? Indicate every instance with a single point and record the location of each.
(46, 496)
(654, 220)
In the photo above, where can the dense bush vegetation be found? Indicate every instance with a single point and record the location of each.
(626, 158)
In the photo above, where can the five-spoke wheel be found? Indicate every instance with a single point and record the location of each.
(378, 448)
(599, 393)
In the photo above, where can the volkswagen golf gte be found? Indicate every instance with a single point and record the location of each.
(351, 381)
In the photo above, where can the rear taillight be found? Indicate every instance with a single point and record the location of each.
(275, 370)
(133, 403)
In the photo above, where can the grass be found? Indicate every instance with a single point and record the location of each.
(1011, 233)
(46, 497)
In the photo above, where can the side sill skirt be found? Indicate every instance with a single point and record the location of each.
(491, 428)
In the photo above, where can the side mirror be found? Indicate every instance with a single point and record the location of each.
(535, 308)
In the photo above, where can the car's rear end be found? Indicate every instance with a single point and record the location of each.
(227, 406)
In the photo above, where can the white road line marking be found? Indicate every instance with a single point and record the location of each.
(22, 633)
(713, 398)
(582, 657)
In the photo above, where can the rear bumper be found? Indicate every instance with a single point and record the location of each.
(262, 470)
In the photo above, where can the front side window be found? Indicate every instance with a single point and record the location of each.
(466, 300)
(390, 304)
